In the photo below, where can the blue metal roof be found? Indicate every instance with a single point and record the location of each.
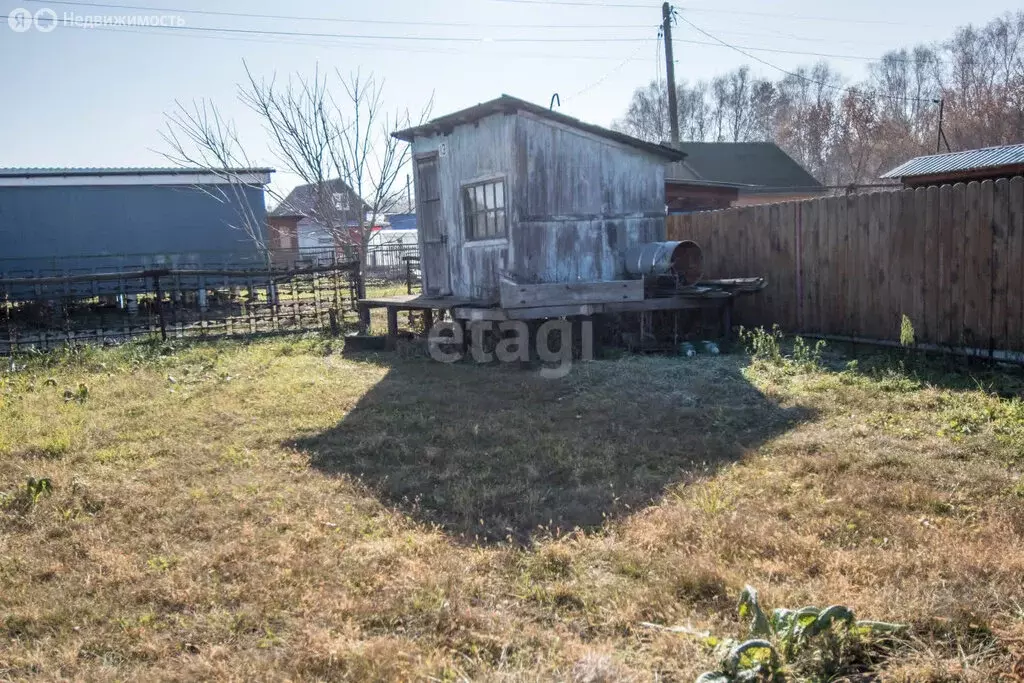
(968, 160)
(90, 171)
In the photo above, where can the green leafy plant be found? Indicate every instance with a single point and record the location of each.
(762, 344)
(79, 394)
(37, 488)
(766, 346)
(906, 332)
(806, 642)
(25, 497)
(805, 356)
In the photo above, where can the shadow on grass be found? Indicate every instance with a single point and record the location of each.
(492, 453)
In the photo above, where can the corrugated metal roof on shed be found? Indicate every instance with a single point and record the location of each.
(968, 160)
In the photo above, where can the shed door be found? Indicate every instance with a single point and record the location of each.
(434, 257)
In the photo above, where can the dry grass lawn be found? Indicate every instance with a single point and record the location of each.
(275, 510)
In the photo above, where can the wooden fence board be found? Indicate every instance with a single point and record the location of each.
(983, 249)
(884, 311)
(972, 269)
(998, 260)
(891, 261)
(875, 277)
(804, 282)
(918, 308)
(951, 258)
(819, 261)
(943, 276)
(770, 241)
(1015, 265)
(858, 242)
(849, 287)
(784, 245)
(793, 213)
(958, 265)
(929, 287)
(903, 264)
(824, 260)
(974, 289)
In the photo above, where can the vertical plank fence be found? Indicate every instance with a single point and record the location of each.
(950, 258)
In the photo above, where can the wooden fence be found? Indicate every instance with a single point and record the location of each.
(950, 258)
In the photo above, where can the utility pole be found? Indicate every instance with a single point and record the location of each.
(670, 71)
(938, 140)
(408, 194)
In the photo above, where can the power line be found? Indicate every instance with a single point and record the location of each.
(578, 3)
(274, 40)
(802, 17)
(791, 73)
(287, 17)
(357, 36)
(605, 77)
(788, 17)
(431, 23)
(783, 52)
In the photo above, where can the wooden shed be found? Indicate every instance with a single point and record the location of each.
(509, 191)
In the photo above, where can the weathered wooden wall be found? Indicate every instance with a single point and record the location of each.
(582, 200)
(951, 258)
(575, 201)
(472, 153)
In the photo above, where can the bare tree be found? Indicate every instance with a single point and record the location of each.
(647, 115)
(324, 135)
(333, 133)
(198, 136)
(738, 104)
(851, 134)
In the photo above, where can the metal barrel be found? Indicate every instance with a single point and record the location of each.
(684, 259)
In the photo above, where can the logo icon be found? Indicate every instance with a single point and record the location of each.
(20, 20)
(46, 20)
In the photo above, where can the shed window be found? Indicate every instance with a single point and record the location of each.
(484, 205)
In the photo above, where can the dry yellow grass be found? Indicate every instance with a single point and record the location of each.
(277, 511)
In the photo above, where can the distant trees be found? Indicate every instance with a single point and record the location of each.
(846, 132)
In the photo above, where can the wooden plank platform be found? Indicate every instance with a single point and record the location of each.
(668, 303)
(407, 302)
(416, 302)
(516, 295)
(475, 310)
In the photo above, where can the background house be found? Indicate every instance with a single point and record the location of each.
(759, 172)
(510, 187)
(65, 220)
(402, 221)
(989, 163)
(686, 191)
(314, 221)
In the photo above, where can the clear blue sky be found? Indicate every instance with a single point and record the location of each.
(97, 97)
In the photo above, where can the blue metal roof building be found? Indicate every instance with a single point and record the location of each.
(57, 221)
(972, 164)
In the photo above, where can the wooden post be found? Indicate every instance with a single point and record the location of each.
(726, 319)
(333, 315)
(392, 337)
(670, 72)
(160, 308)
(598, 330)
(428, 320)
(364, 318)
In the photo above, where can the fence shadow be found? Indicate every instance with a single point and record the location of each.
(492, 453)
